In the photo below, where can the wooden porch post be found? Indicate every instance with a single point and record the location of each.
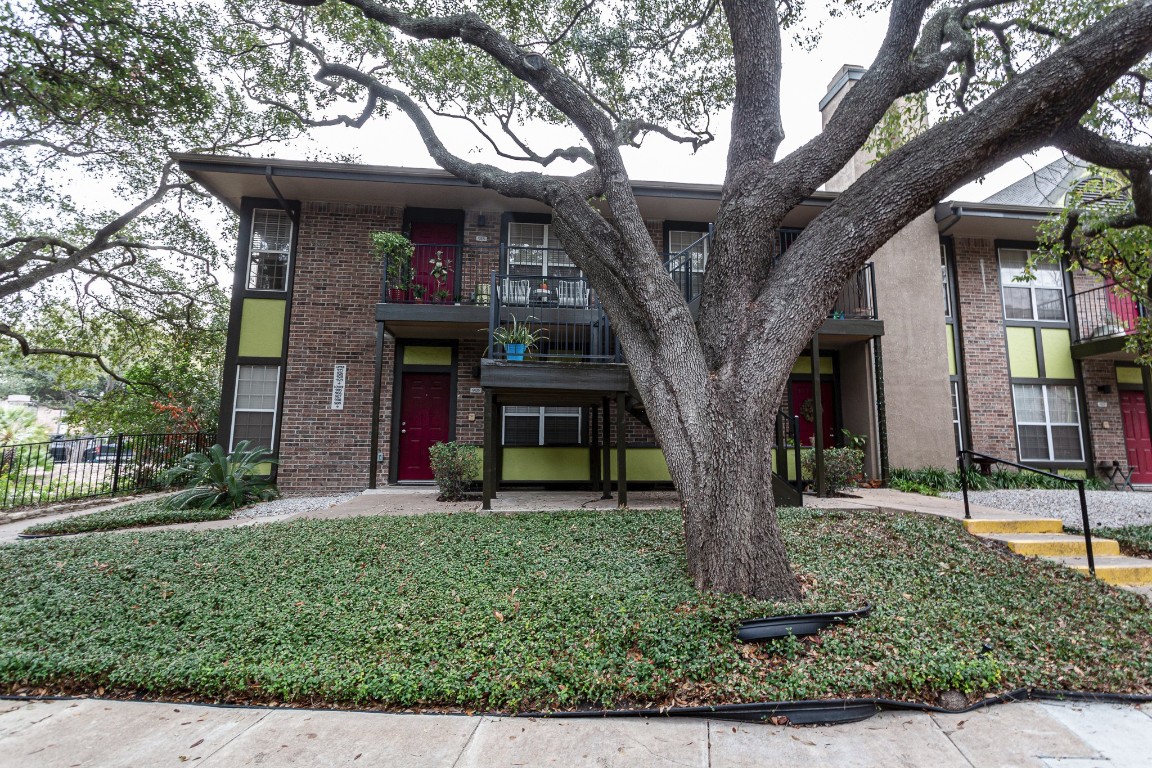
(594, 445)
(489, 448)
(605, 453)
(818, 420)
(621, 454)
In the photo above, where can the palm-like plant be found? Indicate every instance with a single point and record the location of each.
(217, 479)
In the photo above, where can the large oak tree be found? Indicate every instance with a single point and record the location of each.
(1002, 79)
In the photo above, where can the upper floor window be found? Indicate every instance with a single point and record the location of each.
(1039, 299)
(533, 250)
(689, 243)
(270, 250)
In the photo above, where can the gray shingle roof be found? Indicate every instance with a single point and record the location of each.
(1045, 187)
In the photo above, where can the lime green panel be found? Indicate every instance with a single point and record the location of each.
(804, 365)
(262, 328)
(1057, 353)
(1126, 374)
(644, 464)
(1022, 353)
(951, 350)
(529, 463)
(427, 355)
(790, 459)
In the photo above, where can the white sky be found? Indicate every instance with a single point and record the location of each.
(847, 40)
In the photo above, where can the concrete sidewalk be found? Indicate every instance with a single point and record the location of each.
(92, 733)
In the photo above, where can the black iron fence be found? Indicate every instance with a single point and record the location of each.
(1102, 312)
(548, 318)
(87, 467)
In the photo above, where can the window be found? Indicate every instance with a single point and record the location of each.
(1038, 299)
(254, 412)
(530, 425)
(533, 251)
(270, 250)
(944, 280)
(1048, 422)
(957, 427)
(687, 257)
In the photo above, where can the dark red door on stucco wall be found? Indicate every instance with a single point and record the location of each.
(1136, 440)
(424, 419)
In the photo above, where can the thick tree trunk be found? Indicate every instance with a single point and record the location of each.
(732, 533)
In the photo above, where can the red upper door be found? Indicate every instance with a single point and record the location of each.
(435, 242)
(1124, 309)
(1135, 416)
(424, 420)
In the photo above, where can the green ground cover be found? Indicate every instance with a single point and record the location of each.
(1134, 540)
(141, 514)
(571, 610)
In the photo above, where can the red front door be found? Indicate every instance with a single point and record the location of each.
(424, 406)
(803, 405)
(434, 242)
(1135, 416)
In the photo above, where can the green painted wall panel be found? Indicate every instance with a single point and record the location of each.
(1127, 374)
(1022, 353)
(427, 355)
(1057, 353)
(644, 464)
(804, 365)
(948, 329)
(262, 328)
(546, 463)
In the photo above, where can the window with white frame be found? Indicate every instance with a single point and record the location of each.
(944, 280)
(957, 426)
(1041, 298)
(1048, 422)
(254, 409)
(532, 250)
(532, 425)
(270, 250)
(688, 256)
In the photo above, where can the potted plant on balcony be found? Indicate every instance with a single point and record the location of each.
(395, 251)
(517, 338)
(439, 274)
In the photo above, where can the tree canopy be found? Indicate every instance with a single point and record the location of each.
(101, 237)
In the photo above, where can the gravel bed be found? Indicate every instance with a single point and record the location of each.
(292, 505)
(1110, 509)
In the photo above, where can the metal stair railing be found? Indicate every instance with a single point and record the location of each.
(964, 465)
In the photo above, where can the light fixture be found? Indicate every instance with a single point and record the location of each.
(481, 220)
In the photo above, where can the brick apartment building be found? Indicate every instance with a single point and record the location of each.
(932, 346)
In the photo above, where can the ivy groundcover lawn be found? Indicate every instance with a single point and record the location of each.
(1134, 540)
(140, 514)
(561, 611)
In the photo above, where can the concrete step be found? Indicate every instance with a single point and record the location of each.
(1014, 525)
(1054, 545)
(1113, 570)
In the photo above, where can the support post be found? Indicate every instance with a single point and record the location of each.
(605, 452)
(594, 446)
(374, 440)
(818, 419)
(489, 448)
(621, 454)
(1146, 380)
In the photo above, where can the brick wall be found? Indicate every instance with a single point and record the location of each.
(990, 411)
(479, 258)
(1106, 423)
(337, 285)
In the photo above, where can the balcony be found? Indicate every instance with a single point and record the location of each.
(1102, 319)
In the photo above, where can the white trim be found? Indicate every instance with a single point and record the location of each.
(274, 410)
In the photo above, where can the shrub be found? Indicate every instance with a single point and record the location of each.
(454, 466)
(843, 467)
(942, 480)
(216, 479)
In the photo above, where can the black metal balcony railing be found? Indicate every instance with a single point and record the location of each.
(1103, 312)
(857, 300)
(562, 314)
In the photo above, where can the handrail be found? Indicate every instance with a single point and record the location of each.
(988, 460)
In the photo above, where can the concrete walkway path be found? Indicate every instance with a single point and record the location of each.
(92, 733)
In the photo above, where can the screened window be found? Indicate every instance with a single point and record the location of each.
(1048, 422)
(533, 251)
(1038, 299)
(270, 250)
(531, 425)
(254, 412)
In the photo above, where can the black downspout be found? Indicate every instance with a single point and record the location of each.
(881, 409)
(818, 419)
(374, 458)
